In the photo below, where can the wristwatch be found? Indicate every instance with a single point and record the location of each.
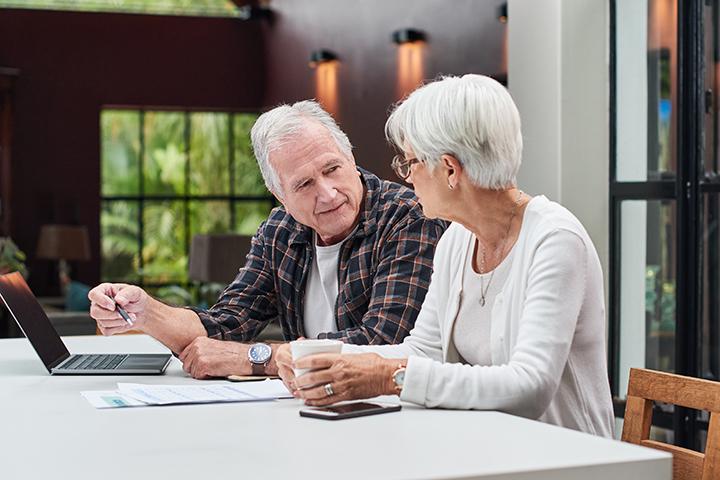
(398, 377)
(259, 356)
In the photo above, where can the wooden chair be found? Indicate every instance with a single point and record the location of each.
(648, 385)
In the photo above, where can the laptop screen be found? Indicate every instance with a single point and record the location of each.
(28, 313)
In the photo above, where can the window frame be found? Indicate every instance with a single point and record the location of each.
(186, 198)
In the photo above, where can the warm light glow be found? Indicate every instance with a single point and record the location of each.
(326, 85)
(662, 19)
(410, 67)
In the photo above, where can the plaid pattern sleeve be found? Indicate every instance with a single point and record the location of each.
(401, 280)
(248, 303)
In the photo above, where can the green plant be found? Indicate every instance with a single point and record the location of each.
(11, 257)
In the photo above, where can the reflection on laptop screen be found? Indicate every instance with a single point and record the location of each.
(28, 313)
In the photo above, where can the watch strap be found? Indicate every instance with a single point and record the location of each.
(258, 369)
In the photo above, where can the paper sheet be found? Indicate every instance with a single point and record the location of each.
(137, 394)
(110, 399)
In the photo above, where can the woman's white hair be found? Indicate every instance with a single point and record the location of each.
(472, 118)
(283, 123)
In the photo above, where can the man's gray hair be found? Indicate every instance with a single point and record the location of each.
(284, 123)
(472, 117)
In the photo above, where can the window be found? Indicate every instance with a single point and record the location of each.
(167, 176)
(201, 8)
(665, 268)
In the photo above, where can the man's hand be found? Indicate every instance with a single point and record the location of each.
(206, 358)
(103, 299)
(283, 360)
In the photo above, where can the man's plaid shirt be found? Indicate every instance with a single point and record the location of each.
(384, 271)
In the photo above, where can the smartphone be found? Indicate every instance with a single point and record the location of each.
(348, 410)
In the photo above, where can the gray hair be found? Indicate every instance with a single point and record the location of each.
(471, 117)
(285, 122)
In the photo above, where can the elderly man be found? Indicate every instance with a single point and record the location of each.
(348, 256)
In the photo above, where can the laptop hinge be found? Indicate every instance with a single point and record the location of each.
(60, 360)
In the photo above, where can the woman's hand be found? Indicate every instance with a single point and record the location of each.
(337, 377)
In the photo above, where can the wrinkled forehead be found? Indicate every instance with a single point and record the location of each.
(312, 140)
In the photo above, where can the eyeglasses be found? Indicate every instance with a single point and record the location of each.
(401, 165)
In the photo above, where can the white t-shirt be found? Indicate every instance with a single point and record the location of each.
(321, 290)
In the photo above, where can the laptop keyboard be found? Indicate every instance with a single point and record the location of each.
(94, 362)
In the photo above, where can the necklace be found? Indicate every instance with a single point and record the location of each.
(484, 289)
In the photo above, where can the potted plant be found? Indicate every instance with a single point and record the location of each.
(12, 259)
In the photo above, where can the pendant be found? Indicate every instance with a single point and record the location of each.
(482, 301)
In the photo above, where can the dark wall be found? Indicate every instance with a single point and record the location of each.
(73, 63)
(464, 36)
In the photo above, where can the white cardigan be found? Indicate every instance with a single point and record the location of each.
(547, 330)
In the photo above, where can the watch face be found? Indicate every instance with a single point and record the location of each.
(260, 353)
(399, 378)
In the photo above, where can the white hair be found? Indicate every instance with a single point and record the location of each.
(472, 118)
(286, 122)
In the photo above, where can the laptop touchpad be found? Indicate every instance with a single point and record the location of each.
(139, 361)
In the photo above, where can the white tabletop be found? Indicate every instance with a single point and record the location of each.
(50, 431)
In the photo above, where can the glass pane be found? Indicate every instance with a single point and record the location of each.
(647, 287)
(200, 8)
(248, 180)
(646, 81)
(209, 154)
(164, 249)
(711, 288)
(120, 136)
(209, 217)
(165, 157)
(119, 231)
(249, 216)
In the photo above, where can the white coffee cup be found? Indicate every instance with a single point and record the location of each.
(303, 348)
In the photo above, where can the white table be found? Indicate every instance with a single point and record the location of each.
(47, 430)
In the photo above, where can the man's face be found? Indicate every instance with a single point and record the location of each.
(320, 186)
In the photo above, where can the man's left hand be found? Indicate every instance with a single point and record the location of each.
(207, 358)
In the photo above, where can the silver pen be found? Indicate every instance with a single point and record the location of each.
(123, 314)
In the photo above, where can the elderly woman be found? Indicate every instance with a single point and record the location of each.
(514, 318)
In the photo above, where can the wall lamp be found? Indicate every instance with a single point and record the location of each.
(408, 35)
(322, 56)
(502, 13)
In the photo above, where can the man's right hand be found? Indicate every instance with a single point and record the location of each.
(105, 296)
(283, 359)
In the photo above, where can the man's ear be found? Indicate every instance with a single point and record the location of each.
(452, 169)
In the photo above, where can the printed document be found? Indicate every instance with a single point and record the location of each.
(137, 394)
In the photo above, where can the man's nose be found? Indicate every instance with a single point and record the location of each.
(326, 191)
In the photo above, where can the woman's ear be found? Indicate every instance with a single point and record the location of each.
(451, 168)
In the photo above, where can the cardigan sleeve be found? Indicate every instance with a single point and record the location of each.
(527, 383)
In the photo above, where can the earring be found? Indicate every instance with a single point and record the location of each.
(450, 186)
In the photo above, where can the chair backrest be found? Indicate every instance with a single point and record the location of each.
(646, 386)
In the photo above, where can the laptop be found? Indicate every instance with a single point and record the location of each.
(36, 326)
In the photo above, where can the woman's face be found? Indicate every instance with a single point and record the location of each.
(427, 187)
